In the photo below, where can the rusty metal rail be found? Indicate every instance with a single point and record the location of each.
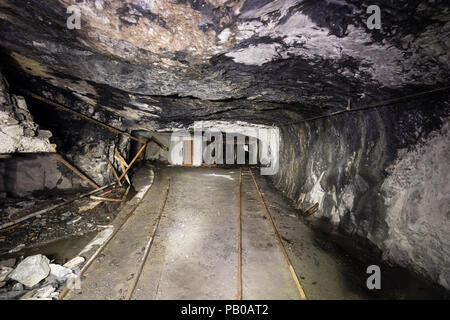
(280, 242)
(239, 294)
(67, 288)
(78, 114)
(148, 247)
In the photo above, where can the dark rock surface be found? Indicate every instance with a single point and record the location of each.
(147, 65)
(129, 55)
(18, 131)
(380, 175)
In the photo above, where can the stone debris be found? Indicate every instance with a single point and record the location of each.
(75, 262)
(39, 294)
(31, 270)
(4, 273)
(17, 249)
(45, 292)
(18, 131)
(11, 295)
(66, 214)
(35, 278)
(74, 220)
(59, 272)
(55, 295)
(17, 287)
(8, 263)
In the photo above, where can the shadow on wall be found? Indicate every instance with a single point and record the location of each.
(26, 174)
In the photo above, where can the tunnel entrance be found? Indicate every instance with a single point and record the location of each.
(212, 144)
(231, 146)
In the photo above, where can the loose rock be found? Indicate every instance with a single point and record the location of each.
(31, 270)
(45, 292)
(4, 272)
(75, 262)
(11, 295)
(39, 294)
(17, 287)
(59, 272)
(8, 263)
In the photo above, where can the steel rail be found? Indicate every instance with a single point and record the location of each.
(148, 247)
(67, 288)
(280, 242)
(239, 294)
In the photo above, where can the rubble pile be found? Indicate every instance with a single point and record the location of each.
(36, 277)
(18, 131)
(80, 218)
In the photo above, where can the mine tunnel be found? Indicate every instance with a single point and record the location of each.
(224, 150)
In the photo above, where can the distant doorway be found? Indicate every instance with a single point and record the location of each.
(188, 153)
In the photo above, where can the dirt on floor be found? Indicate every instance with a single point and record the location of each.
(194, 254)
(77, 219)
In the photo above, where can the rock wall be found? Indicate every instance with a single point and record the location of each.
(381, 175)
(30, 174)
(18, 132)
(154, 152)
(86, 146)
(416, 195)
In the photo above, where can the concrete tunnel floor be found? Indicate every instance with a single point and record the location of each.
(194, 254)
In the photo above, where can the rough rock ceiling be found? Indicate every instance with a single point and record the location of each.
(179, 60)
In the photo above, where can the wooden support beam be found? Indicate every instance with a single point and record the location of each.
(124, 198)
(123, 164)
(159, 143)
(105, 199)
(60, 107)
(114, 173)
(311, 210)
(133, 161)
(75, 170)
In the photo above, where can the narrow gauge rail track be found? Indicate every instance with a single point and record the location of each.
(240, 293)
(276, 233)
